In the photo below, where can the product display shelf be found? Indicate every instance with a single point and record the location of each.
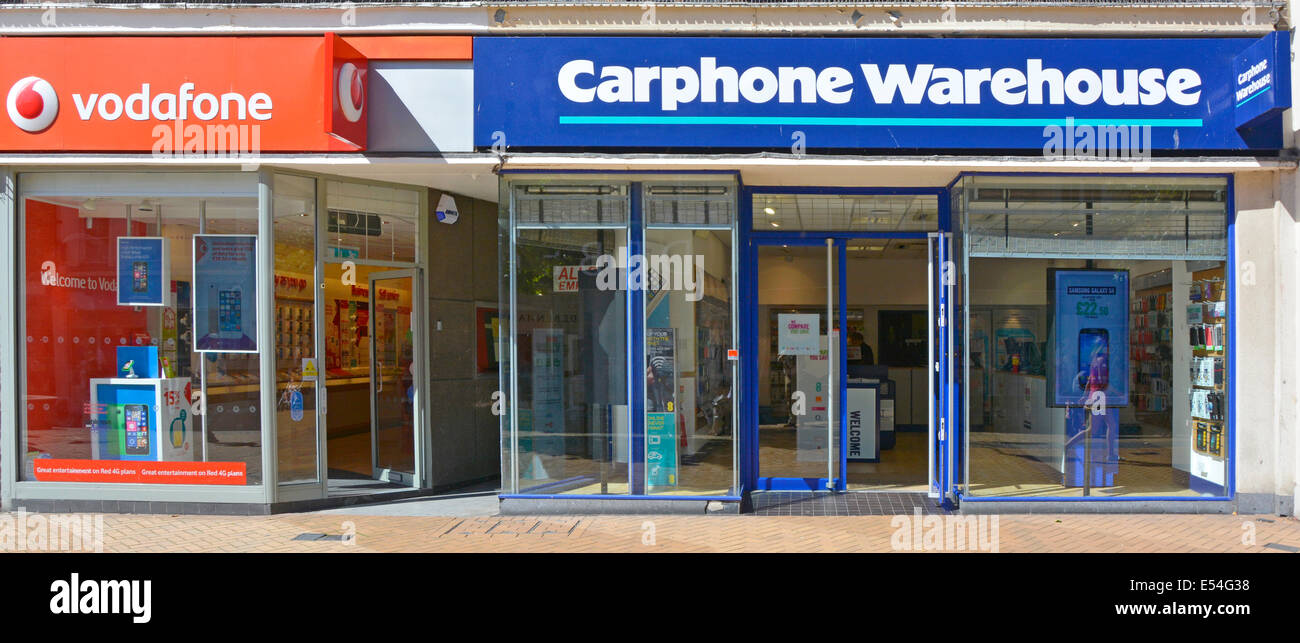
(1208, 339)
(294, 327)
(1151, 336)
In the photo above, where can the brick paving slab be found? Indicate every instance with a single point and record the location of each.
(748, 533)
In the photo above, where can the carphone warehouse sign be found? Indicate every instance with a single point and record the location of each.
(846, 93)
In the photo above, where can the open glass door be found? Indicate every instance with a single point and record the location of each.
(942, 275)
(798, 304)
(394, 389)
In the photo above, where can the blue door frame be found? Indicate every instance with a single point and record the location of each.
(750, 241)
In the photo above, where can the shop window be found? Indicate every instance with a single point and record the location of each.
(132, 375)
(568, 282)
(571, 355)
(1097, 336)
(689, 423)
(687, 204)
(371, 222)
(554, 203)
(846, 213)
(296, 368)
(1123, 217)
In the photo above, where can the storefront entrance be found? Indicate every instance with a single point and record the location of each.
(370, 375)
(852, 329)
(393, 393)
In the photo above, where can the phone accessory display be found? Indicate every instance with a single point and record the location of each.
(294, 338)
(1150, 351)
(1207, 336)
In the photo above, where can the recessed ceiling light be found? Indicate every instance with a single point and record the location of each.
(769, 210)
(775, 224)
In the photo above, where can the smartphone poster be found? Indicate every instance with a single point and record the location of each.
(142, 278)
(1089, 313)
(225, 293)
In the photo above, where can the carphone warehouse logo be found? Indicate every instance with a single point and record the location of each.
(76, 596)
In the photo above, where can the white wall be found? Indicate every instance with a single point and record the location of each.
(1265, 387)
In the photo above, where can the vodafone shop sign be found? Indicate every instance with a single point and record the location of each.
(197, 95)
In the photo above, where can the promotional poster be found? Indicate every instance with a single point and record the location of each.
(1089, 336)
(225, 293)
(142, 278)
(797, 334)
(661, 408)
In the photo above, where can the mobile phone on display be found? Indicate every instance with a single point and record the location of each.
(232, 311)
(1094, 357)
(139, 276)
(226, 312)
(137, 429)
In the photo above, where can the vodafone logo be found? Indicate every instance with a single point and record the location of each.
(32, 104)
(352, 92)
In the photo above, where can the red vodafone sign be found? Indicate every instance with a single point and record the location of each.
(183, 95)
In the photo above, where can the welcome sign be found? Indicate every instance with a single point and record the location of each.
(845, 93)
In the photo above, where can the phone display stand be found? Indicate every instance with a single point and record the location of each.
(146, 417)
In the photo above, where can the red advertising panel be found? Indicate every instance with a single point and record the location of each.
(217, 95)
(59, 470)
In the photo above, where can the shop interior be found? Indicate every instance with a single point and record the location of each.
(1167, 435)
(1018, 444)
(212, 404)
(572, 335)
(352, 371)
(78, 327)
(886, 318)
(368, 296)
(886, 312)
(1168, 441)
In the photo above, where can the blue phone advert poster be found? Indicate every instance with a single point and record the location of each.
(225, 293)
(1089, 336)
(142, 271)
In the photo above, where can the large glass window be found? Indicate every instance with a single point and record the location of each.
(848, 213)
(573, 284)
(1097, 334)
(369, 230)
(571, 360)
(689, 423)
(371, 222)
(116, 390)
(296, 368)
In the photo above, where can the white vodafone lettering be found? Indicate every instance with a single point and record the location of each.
(179, 105)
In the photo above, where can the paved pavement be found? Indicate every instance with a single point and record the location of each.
(358, 530)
